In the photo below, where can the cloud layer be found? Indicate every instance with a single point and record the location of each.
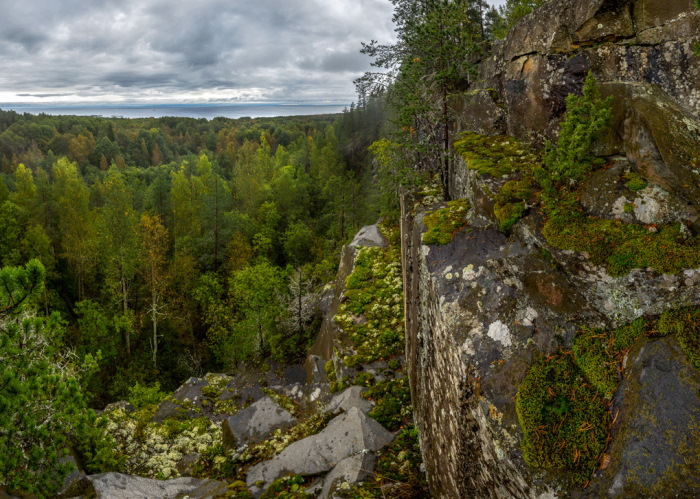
(175, 50)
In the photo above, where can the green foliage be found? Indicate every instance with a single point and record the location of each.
(141, 396)
(586, 116)
(511, 202)
(635, 182)
(620, 247)
(685, 324)
(564, 419)
(443, 224)
(495, 156)
(511, 13)
(374, 293)
(393, 399)
(41, 404)
(286, 488)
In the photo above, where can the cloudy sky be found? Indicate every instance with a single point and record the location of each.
(99, 51)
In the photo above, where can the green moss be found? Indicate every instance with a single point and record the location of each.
(635, 182)
(371, 312)
(620, 247)
(393, 399)
(685, 323)
(599, 353)
(629, 208)
(508, 215)
(563, 418)
(363, 379)
(443, 224)
(494, 156)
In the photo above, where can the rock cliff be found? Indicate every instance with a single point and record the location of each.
(495, 320)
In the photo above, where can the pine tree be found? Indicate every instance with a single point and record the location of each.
(40, 397)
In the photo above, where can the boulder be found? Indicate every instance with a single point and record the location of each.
(186, 403)
(255, 423)
(348, 472)
(369, 235)
(349, 398)
(345, 436)
(120, 486)
(656, 436)
(604, 195)
(659, 137)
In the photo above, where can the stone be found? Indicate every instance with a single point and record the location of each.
(185, 465)
(255, 423)
(120, 486)
(188, 402)
(353, 470)
(345, 436)
(122, 404)
(480, 111)
(656, 436)
(349, 398)
(369, 236)
(660, 138)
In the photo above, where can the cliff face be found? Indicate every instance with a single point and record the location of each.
(482, 310)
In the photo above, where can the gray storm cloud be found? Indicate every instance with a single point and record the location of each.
(266, 50)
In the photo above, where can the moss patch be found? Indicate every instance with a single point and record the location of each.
(511, 202)
(635, 182)
(494, 156)
(563, 417)
(372, 309)
(444, 223)
(599, 353)
(619, 246)
(393, 399)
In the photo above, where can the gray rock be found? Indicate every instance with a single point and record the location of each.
(369, 235)
(122, 404)
(255, 423)
(349, 398)
(656, 436)
(481, 112)
(119, 486)
(352, 470)
(185, 465)
(345, 436)
(188, 402)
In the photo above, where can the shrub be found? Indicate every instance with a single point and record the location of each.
(586, 116)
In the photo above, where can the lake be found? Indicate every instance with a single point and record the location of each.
(208, 111)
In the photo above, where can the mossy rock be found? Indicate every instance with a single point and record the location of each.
(444, 223)
(563, 417)
(495, 156)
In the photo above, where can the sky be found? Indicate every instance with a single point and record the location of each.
(166, 51)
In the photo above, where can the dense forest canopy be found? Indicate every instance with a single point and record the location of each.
(168, 241)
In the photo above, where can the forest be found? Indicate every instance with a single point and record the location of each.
(166, 242)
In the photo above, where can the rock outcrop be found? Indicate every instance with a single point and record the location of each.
(255, 423)
(481, 310)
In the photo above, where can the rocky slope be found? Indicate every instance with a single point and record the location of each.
(509, 331)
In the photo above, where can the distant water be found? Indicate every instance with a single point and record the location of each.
(208, 111)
